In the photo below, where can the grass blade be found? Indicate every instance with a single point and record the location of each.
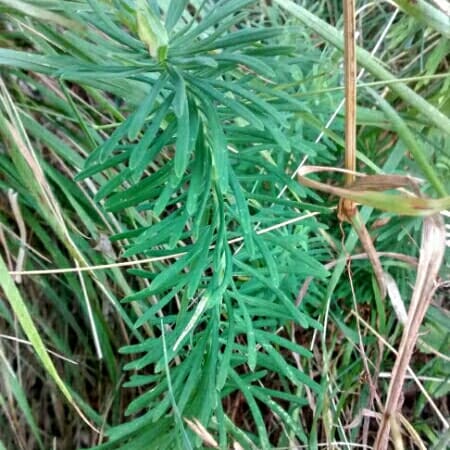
(366, 60)
(29, 328)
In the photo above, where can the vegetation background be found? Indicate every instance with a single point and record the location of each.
(166, 281)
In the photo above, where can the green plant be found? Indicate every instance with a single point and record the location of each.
(170, 133)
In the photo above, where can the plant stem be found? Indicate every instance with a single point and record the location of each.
(366, 60)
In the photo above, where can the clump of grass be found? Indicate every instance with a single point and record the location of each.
(201, 295)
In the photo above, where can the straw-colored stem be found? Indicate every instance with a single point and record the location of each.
(350, 90)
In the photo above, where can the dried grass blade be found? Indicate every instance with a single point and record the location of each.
(350, 89)
(398, 204)
(374, 259)
(430, 260)
(199, 429)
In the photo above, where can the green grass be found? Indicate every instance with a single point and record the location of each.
(162, 239)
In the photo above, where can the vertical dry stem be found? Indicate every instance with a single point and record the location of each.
(350, 90)
(431, 256)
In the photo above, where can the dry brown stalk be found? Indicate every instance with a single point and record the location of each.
(350, 89)
(430, 260)
(347, 208)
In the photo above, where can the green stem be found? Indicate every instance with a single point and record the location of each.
(427, 14)
(366, 60)
(412, 143)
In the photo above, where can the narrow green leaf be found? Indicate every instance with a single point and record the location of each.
(164, 197)
(161, 234)
(247, 36)
(138, 153)
(180, 99)
(157, 233)
(193, 383)
(242, 212)
(194, 62)
(220, 12)
(279, 137)
(291, 372)
(102, 20)
(178, 45)
(162, 302)
(255, 64)
(174, 12)
(94, 169)
(262, 335)
(254, 99)
(251, 341)
(270, 261)
(225, 363)
(176, 236)
(256, 413)
(183, 147)
(147, 155)
(35, 63)
(219, 150)
(294, 425)
(200, 263)
(140, 115)
(104, 151)
(194, 123)
(298, 316)
(238, 108)
(197, 181)
(166, 277)
(112, 184)
(295, 399)
(144, 190)
(202, 305)
(40, 13)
